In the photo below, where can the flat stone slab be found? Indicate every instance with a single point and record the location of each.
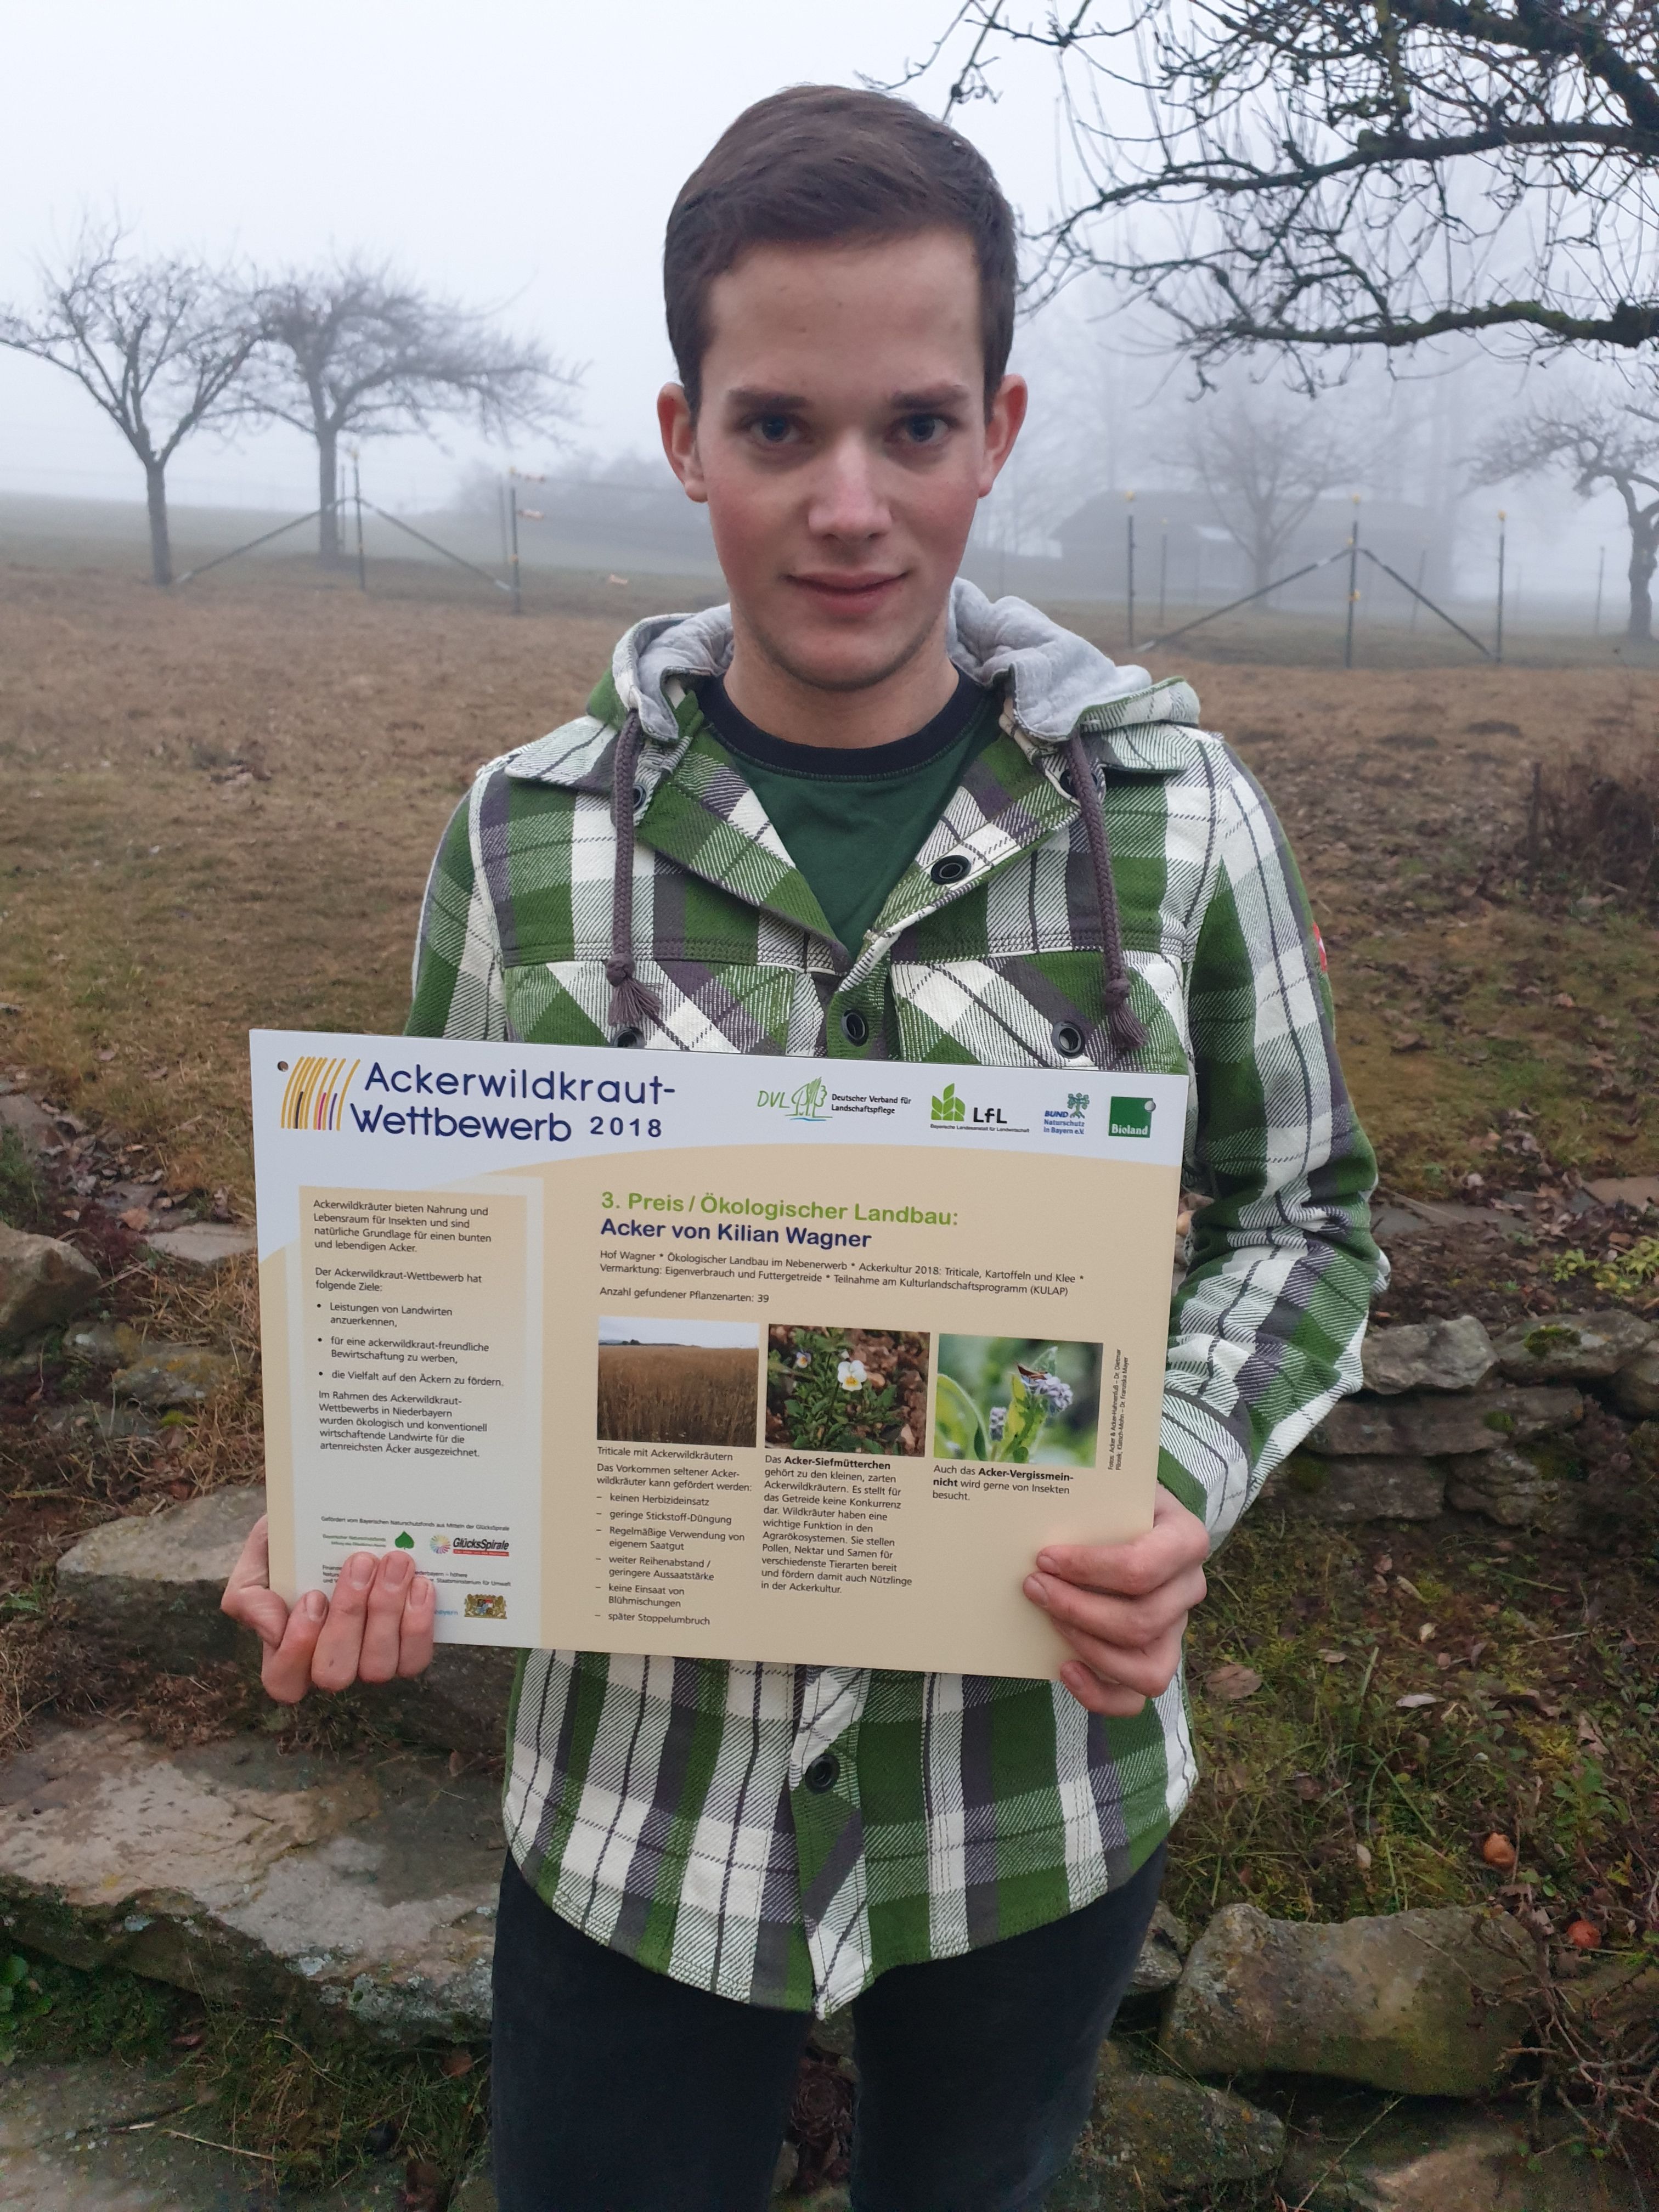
(1360, 1489)
(1573, 1347)
(150, 1585)
(203, 1243)
(357, 1890)
(1638, 1191)
(1431, 1355)
(1423, 2157)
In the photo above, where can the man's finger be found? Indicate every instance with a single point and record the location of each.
(1118, 1619)
(286, 1673)
(420, 1618)
(377, 1661)
(335, 1664)
(1110, 1699)
(1148, 1671)
(1177, 1539)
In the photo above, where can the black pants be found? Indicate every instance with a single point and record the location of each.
(618, 2090)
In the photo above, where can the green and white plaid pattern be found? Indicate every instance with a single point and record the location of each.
(661, 1805)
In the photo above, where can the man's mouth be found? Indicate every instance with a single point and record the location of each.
(851, 594)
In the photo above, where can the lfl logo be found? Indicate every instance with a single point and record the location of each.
(952, 1107)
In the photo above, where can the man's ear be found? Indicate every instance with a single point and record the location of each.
(1002, 426)
(679, 439)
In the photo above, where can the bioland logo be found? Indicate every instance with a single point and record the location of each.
(1132, 1117)
(949, 1107)
(315, 1092)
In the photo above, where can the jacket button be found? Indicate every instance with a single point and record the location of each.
(951, 869)
(628, 1037)
(823, 1774)
(1069, 1040)
(854, 1027)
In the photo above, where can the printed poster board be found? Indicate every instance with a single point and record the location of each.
(708, 1355)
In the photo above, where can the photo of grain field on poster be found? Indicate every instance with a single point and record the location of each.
(678, 1381)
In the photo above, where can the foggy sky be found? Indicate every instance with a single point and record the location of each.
(518, 154)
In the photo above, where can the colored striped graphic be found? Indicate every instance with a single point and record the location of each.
(316, 1092)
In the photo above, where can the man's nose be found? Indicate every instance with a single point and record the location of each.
(846, 499)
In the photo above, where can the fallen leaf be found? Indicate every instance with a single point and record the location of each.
(1416, 1701)
(1232, 1681)
(455, 2063)
(1584, 1935)
(107, 1054)
(457, 1762)
(1425, 1634)
(1306, 1788)
(136, 1218)
(1401, 1583)
(1590, 1736)
(1334, 1658)
(1361, 1858)
(1566, 998)
(1499, 1851)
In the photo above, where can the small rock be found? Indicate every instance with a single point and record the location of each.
(1637, 1191)
(1520, 1414)
(1585, 1348)
(115, 1425)
(42, 1282)
(28, 1120)
(1158, 1967)
(102, 1343)
(1402, 1427)
(174, 1374)
(1152, 2140)
(1371, 1489)
(1433, 1355)
(24, 1363)
(1636, 1385)
(1519, 1488)
(476, 2189)
(1430, 2003)
(149, 1586)
(203, 1243)
(1428, 2158)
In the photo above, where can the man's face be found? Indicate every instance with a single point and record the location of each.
(841, 446)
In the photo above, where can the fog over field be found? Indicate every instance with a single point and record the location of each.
(519, 161)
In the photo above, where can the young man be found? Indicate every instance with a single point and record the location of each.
(863, 812)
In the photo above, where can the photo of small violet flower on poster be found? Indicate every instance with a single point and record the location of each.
(1017, 1401)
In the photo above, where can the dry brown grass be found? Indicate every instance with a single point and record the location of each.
(678, 1394)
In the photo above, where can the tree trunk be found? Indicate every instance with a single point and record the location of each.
(328, 486)
(1644, 556)
(160, 549)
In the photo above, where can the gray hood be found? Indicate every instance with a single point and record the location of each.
(1056, 679)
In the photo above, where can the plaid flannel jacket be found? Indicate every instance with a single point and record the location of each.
(780, 1834)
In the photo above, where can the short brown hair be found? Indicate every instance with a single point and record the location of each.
(822, 163)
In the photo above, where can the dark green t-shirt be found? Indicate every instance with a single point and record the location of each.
(852, 820)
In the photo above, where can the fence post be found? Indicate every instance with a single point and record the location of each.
(1601, 571)
(1422, 565)
(1353, 584)
(1163, 568)
(357, 497)
(1130, 498)
(513, 559)
(1499, 655)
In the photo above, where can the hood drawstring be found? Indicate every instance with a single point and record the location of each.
(1122, 1023)
(633, 1004)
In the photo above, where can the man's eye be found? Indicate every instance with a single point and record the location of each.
(925, 430)
(772, 429)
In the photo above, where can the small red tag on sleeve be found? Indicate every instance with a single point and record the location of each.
(1324, 964)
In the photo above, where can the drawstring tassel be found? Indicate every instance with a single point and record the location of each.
(1122, 1023)
(633, 1004)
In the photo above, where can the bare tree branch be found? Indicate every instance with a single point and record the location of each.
(1595, 444)
(1320, 176)
(357, 351)
(157, 345)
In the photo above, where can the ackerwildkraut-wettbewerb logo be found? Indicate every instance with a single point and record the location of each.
(314, 1093)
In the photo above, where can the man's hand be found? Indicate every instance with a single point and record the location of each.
(378, 1623)
(1123, 1607)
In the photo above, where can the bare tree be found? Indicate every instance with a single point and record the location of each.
(1595, 443)
(1319, 175)
(1264, 466)
(158, 344)
(356, 352)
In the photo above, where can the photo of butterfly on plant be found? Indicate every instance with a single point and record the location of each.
(1016, 1400)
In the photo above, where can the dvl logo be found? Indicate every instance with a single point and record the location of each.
(1132, 1117)
(949, 1107)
